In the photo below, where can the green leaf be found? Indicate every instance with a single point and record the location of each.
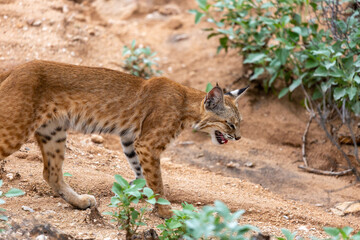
(135, 214)
(257, 73)
(139, 183)
(174, 225)
(339, 93)
(288, 235)
(329, 65)
(117, 189)
(295, 84)
(351, 91)
(321, 72)
(151, 201)
(254, 57)
(283, 92)
(332, 231)
(163, 201)
(346, 231)
(311, 63)
(148, 192)
(198, 17)
(357, 79)
(66, 174)
(123, 183)
(202, 3)
(133, 43)
(208, 88)
(356, 107)
(108, 213)
(1, 182)
(297, 30)
(14, 192)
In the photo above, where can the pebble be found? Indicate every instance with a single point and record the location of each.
(26, 208)
(41, 237)
(249, 165)
(10, 176)
(97, 139)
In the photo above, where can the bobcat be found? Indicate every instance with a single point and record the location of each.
(48, 98)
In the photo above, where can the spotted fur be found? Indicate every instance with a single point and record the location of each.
(48, 99)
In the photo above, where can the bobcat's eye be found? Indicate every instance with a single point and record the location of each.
(230, 125)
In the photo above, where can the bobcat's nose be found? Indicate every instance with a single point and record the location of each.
(237, 138)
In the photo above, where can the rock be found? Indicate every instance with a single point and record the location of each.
(344, 208)
(34, 23)
(41, 237)
(178, 37)
(97, 139)
(21, 155)
(249, 165)
(10, 176)
(232, 165)
(26, 208)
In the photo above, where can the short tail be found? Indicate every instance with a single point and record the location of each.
(4, 75)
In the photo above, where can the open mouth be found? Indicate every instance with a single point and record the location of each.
(220, 137)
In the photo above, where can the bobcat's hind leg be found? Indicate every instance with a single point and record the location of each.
(51, 138)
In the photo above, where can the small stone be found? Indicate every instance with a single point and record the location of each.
(199, 155)
(303, 228)
(41, 237)
(97, 139)
(249, 165)
(232, 165)
(34, 23)
(10, 176)
(178, 37)
(26, 208)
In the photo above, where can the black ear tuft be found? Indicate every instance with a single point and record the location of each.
(238, 92)
(214, 99)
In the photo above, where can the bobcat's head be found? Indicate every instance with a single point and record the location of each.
(220, 116)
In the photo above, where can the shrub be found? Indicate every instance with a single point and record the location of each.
(140, 61)
(127, 215)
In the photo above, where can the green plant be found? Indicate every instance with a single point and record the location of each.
(174, 228)
(280, 45)
(13, 192)
(140, 61)
(334, 233)
(211, 222)
(126, 198)
(342, 233)
(216, 222)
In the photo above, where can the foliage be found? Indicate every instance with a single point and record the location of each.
(281, 45)
(13, 192)
(140, 61)
(334, 233)
(126, 198)
(211, 222)
(174, 228)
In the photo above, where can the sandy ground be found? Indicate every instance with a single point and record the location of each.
(259, 173)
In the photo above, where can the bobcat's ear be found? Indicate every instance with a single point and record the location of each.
(214, 99)
(237, 93)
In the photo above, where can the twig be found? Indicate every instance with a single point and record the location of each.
(323, 172)
(312, 115)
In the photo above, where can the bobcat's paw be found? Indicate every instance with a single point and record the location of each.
(86, 201)
(164, 211)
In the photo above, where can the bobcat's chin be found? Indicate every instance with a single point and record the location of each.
(218, 138)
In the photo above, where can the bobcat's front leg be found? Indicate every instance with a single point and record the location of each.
(150, 164)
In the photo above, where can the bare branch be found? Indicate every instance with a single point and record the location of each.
(323, 172)
(312, 116)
